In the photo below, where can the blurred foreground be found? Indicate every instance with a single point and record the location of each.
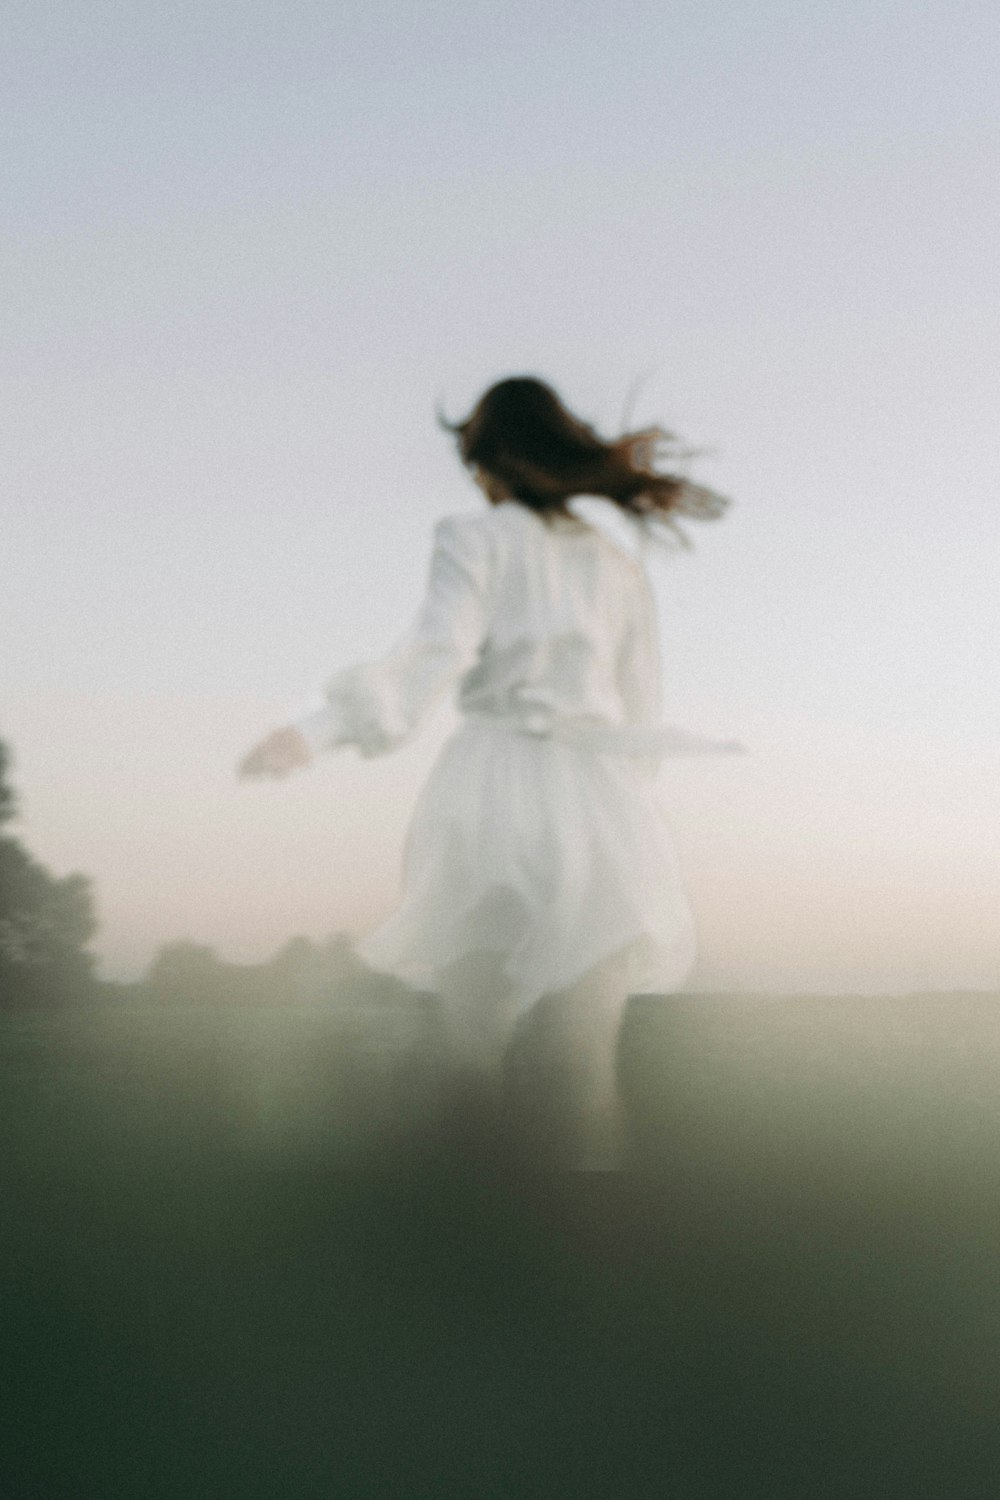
(245, 1253)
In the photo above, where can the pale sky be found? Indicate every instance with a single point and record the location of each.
(248, 247)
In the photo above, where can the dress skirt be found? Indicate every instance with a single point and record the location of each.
(528, 865)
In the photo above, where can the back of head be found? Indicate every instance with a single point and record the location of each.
(521, 435)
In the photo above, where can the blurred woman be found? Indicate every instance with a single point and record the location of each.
(540, 882)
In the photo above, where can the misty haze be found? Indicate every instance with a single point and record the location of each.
(259, 1236)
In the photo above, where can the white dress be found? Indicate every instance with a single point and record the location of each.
(537, 853)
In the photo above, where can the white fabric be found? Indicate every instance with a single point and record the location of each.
(548, 628)
(537, 850)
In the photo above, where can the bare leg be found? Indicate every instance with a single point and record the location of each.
(551, 1073)
(562, 1073)
(477, 1006)
(589, 1016)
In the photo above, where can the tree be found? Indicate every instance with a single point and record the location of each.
(8, 805)
(183, 971)
(45, 922)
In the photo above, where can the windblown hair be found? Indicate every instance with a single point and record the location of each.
(521, 434)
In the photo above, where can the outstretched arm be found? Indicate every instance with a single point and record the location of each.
(379, 705)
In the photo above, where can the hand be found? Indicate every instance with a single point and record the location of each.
(282, 751)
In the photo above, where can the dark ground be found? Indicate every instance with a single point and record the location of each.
(222, 1278)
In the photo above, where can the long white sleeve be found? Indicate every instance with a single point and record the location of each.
(379, 705)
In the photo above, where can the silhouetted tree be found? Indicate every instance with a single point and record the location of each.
(293, 955)
(187, 972)
(8, 802)
(301, 972)
(45, 922)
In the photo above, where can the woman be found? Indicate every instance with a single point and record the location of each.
(537, 864)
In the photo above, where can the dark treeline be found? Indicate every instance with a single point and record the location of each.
(206, 1291)
(183, 972)
(48, 922)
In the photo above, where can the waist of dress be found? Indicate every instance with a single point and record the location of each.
(618, 739)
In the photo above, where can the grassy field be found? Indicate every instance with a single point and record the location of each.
(236, 1263)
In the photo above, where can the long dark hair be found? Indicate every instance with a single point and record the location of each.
(521, 434)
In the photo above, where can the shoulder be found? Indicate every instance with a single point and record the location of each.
(461, 524)
(464, 531)
(468, 540)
